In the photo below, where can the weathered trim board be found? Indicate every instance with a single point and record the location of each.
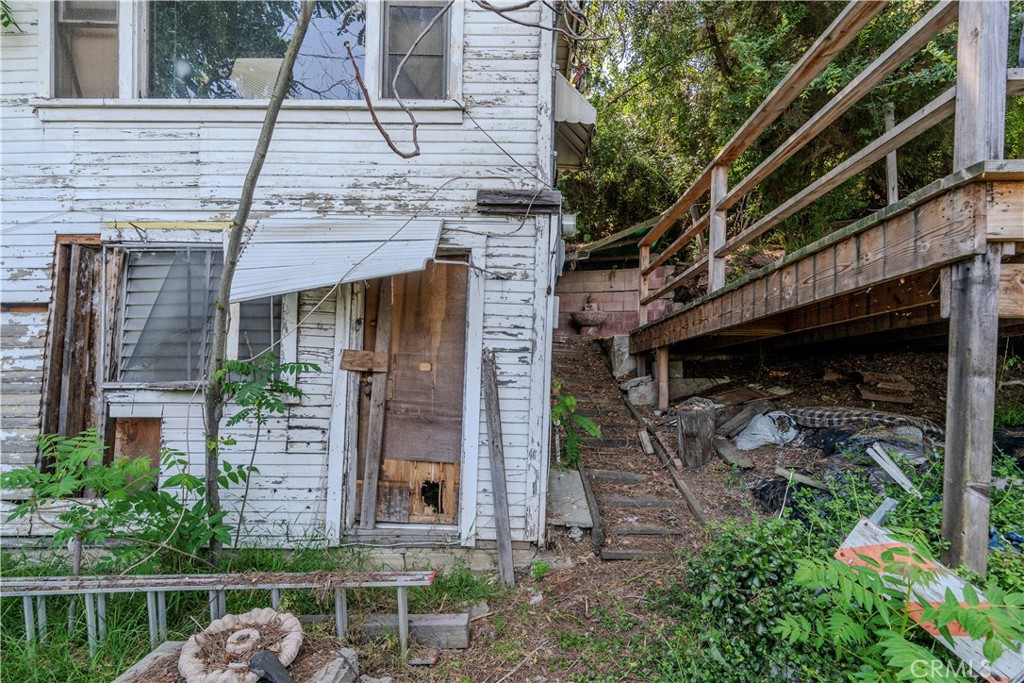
(894, 243)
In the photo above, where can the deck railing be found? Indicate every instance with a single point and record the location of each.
(712, 183)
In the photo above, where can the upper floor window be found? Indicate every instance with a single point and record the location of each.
(86, 48)
(233, 50)
(424, 74)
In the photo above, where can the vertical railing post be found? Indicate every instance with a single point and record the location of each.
(716, 228)
(663, 388)
(645, 261)
(979, 132)
(892, 175)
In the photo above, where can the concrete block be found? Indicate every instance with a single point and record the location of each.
(622, 362)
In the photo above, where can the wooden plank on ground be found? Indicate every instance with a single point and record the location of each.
(443, 631)
(867, 542)
(740, 420)
(597, 525)
(645, 442)
(496, 450)
(790, 475)
(732, 456)
(879, 455)
(375, 429)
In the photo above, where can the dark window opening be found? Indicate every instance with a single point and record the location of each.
(430, 492)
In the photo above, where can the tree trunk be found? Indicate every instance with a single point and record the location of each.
(213, 395)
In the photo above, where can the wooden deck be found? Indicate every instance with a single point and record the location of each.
(881, 273)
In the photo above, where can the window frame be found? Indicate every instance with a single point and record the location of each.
(133, 51)
(288, 348)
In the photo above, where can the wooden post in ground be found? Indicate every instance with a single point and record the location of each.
(974, 292)
(662, 378)
(716, 228)
(695, 431)
(496, 449)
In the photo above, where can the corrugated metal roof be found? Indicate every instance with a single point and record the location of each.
(570, 105)
(280, 257)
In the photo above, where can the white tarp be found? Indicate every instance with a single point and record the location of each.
(281, 257)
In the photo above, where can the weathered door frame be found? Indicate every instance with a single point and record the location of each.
(342, 441)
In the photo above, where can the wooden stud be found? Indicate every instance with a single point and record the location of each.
(716, 229)
(496, 449)
(970, 408)
(663, 378)
(378, 399)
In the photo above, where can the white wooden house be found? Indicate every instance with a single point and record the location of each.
(127, 130)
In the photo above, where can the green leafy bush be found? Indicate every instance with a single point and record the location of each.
(563, 414)
(146, 526)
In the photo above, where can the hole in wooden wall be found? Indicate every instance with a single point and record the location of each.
(430, 492)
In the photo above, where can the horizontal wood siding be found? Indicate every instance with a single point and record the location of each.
(77, 170)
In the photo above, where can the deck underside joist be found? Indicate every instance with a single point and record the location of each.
(882, 274)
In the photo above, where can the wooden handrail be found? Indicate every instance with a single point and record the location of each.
(838, 35)
(903, 49)
(676, 282)
(932, 113)
(680, 242)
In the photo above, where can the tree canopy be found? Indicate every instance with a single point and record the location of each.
(677, 79)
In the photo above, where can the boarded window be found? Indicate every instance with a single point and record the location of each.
(86, 48)
(138, 437)
(424, 74)
(233, 50)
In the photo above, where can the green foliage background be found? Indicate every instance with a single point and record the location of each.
(677, 79)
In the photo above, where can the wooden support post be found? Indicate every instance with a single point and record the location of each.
(716, 229)
(151, 613)
(645, 260)
(892, 182)
(496, 448)
(341, 612)
(375, 428)
(970, 408)
(695, 427)
(403, 618)
(979, 134)
(662, 378)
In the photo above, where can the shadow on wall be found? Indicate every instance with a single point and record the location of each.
(614, 292)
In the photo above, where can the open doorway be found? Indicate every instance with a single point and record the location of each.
(416, 322)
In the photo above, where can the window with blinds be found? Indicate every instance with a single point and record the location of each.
(167, 315)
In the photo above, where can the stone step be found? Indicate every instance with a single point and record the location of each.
(617, 477)
(617, 501)
(645, 530)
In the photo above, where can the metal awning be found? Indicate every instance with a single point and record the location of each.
(574, 124)
(282, 257)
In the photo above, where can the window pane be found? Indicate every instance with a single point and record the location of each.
(168, 314)
(424, 74)
(233, 50)
(86, 49)
(259, 326)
